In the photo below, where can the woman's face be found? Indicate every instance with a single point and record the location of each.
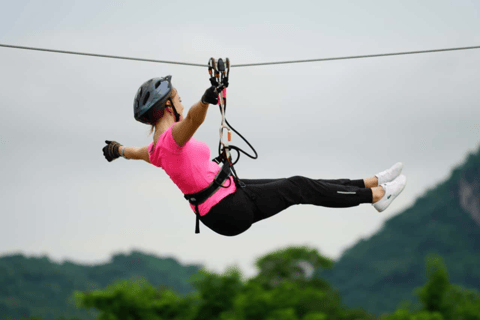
(177, 102)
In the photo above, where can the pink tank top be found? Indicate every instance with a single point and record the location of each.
(189, 167)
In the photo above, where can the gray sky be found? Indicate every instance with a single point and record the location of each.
(342, 119)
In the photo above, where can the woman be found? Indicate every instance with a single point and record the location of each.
(234, 207)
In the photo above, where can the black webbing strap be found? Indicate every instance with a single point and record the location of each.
(201, 196)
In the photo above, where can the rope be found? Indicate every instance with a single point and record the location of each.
(241, 65)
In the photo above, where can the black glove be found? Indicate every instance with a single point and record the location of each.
(112, 150)
(210, 96)
(225, 83)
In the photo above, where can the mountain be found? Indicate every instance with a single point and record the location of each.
(38, 286)
(379, 272)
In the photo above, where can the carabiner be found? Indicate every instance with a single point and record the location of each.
(225, 71)
(212, 66)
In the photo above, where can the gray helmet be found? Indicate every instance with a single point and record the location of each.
(150, 99)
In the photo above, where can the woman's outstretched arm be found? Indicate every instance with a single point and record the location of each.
(136, 153)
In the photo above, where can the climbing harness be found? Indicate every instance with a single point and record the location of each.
(219, 74)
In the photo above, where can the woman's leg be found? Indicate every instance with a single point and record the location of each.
(263, 198)
(275, 196)
(360, 183)
(372, 182)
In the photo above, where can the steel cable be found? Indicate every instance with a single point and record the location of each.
(240, 65)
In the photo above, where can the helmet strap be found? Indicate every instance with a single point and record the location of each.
(177, 116)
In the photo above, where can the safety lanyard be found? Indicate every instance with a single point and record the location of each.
(219, 78)
(219, 73)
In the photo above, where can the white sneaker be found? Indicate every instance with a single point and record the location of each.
(392, 190)
(389, 174)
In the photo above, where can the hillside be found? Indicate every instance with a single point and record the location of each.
(38, 286)
(379, 272)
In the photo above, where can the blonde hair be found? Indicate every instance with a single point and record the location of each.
(152, 129)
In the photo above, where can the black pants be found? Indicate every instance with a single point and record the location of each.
(261, 199)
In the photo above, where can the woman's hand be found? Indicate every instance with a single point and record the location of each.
(112, 150)
(210, 96)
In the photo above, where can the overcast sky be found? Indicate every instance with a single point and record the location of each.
(341, 119)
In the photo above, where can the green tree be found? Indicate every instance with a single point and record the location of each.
(284, 289)
(283, 314)
(440, 299)
(216, 292)
(433, 292)
(127, 300)
(315, 316)
(296, 295)
(463, 303)
(299, 263)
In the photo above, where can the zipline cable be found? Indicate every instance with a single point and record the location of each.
(241, 65)
(355, 57)
(102, 55)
